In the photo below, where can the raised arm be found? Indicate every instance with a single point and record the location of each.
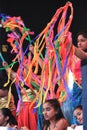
(80, 53)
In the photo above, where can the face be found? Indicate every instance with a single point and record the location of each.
(78, 114)
(82, 42)
(48, 112)
(3, 120)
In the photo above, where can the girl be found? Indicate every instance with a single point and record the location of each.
(6, 118)
(78, 114)
(53, 116)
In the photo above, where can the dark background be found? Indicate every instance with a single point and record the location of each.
(37, 13)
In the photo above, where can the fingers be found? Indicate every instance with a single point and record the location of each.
(4, 63)
(73, 126)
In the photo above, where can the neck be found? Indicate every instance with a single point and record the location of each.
(52, 124)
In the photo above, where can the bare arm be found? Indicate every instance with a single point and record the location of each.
(62, 124)
(80, 53)
(3, 93)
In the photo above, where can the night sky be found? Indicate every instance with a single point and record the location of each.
(37, 13)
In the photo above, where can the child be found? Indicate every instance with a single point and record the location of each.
(6, 118)
(53, 116)
(78, 114)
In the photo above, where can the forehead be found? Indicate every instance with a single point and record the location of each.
(77, 110)
(81, 37)
(47, 104)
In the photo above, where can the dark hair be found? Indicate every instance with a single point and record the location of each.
(56, 105)
(83, 32)
(6, 112)
(78, 107)
(3, 79)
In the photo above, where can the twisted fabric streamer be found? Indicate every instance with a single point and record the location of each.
(56, 44)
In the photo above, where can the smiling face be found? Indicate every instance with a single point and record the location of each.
(78, 114)
(48, 111)
(82, 42)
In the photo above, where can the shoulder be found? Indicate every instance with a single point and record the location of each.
(62, 124)
(63, 120)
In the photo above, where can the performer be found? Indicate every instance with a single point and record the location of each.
(26, 115)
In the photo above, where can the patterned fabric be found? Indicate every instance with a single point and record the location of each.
(11, 105)
(3, 102)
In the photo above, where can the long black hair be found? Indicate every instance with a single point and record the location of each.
(56, 105)
(7, 113)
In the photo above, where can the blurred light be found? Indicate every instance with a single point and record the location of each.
(70, 80)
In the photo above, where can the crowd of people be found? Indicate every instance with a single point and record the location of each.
(52, 113)
(49, 113)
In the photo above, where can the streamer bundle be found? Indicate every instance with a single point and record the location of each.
(50, 51)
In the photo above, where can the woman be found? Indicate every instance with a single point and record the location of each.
(80, 54)
(53, 116)
(84, 79)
